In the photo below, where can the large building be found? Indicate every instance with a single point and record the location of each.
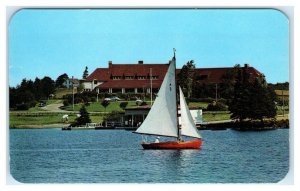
(138, 78)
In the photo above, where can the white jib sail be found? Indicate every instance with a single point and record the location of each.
(188, 127)
(162, 118)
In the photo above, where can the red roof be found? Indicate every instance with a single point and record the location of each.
(139, 69)
(100, 74)
(130, 84)
(105, 74)
(210, 75)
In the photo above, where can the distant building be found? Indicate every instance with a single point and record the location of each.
(69, 83)
(136, 78)
(135, 116)
(283, 96)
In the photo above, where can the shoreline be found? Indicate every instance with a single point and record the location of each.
(45, 126)
(209, 125)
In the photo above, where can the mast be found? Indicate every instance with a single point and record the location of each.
(151, 85)
(177, 120)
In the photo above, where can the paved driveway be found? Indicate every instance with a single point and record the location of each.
(54, 107)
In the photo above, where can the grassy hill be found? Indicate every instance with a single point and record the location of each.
(59, 93)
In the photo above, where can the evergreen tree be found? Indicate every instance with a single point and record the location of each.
(47, 86)
(85, 73)
(186, 77)
(105, 103)
(29, 92)
(123, 104)
(263, 100)
(84, 117)
(237, 105)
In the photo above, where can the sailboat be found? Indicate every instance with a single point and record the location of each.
(163, 118)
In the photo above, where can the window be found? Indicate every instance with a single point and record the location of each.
(129, 77)
(154, 77)
(141, 77)
(116, 77)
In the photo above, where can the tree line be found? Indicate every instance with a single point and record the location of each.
(247, 98)
(29, 92)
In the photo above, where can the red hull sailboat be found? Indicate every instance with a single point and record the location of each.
(194, 144)
(166, 120)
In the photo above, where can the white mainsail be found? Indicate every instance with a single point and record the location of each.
(188, 127)
(162, 118)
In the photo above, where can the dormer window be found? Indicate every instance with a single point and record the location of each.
(141, 77)
(129, 77)
(116, 77)
(154, 77)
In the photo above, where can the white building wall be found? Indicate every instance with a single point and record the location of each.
(90, 85)
(93, 85)
(87, 85)
(197, 116)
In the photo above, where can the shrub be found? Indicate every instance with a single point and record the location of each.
(143, 103)
(66, 102)
(23, 106)
(216, 106)
(123, 104)
(112, 116)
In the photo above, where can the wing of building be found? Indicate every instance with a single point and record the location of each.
(138, 78)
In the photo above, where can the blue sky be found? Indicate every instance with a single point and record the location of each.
(50, 42)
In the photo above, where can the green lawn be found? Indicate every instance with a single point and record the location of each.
(34, 109)
(52, 101)
(115, 106)
(59, 93)
(16, 119)
(216, 116)
(198, 104)
(33, 117)
(97, 107)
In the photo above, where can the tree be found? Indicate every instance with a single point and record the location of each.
(263, 100)
(47, 86)
(240, 104)
(252, 99)
(123, 104)
(186, 77)
(228, 82)
(38, 89)
(61, 79)
(29, 92)
(85, 73)
(84, 117)
(105, 103)
(80, 88)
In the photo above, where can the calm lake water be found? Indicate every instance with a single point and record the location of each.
(115, 156)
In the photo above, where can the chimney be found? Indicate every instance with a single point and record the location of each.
(140, 62)
(109, 64)
(246, 65)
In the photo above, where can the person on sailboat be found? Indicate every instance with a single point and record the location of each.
(157, 140)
